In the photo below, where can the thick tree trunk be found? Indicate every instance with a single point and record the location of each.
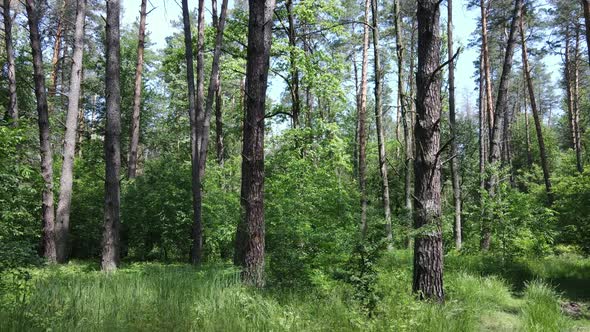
(501, 110)
(455, 175)
(12, 109)
(428, 251)
(380, 130)
(586, 5)
(134, 141)
(536, 116)
(362, 116)
(295, 100)
(62, 225)
(112, 143)
(249, 252)
(197, 227)
(486, 65)
(48, 212)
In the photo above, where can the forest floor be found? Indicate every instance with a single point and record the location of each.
(484, 293)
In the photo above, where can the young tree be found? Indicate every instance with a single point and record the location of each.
(12, 109)
(428, 251)
(49, 250)
(134, 141)
(62, 224)
(112, 143)
(362, 119)
(249, 250)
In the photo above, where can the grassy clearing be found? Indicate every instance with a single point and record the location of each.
(156, 297)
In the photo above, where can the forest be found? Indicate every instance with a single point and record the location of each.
(295, 165)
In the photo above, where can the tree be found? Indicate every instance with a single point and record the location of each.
(586, 5)
(134, 142)
(249, 250)
(362, 122)
(428, 251)
(455, 176)
(49, 250)
(62, 224)
(379, 124)
(486, 65)
(12, 109)
(112, 144)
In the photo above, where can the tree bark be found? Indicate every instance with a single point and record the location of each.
(576, 101)
(486, 64)
(536, 117)
(200, 97)
(362, 116)
(55, 59)
(380, 131)
(501, 110)
(455, 175)
(586, 5)
(249, 252)
(569, 92)
(48, 212)
(112, 143)
(12, 109)
(428, 251)
(62, 225)
(220, 147)
(134, 141)
(482, 125)
(529, 154)
(295, 99)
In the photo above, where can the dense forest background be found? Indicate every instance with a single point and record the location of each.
(352, 177)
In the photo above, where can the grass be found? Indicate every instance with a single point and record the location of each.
(157, 297)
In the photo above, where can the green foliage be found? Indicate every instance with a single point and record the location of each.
(542, 311)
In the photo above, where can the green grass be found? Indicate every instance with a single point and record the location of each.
(157, 297)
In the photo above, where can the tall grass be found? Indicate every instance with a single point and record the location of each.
(541, 311)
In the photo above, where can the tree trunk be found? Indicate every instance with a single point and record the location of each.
(200, 97)
(428, 251)
(536, 117)
(112, 143)
(197, 228)
(62, 225)
(586, 5)
(569, 92)
(12, 109)
(380, 131)
(529, 154)
(501, 110)
(44, 134)
(249, 251)
(482, 125)
(134, 141)
(453, 130)
(362, 114)
(295, 100)
(486, 65)
(55, 60)
(576, 97)
(219, 126)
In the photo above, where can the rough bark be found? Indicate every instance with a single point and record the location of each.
(362, 118)
(536, 116)
(12, 109)
(134, 141)
(48, 213)
(486, 65)
(112, 143)
(455, 174)
(249, 251)
(200, 89)
(428, 252)
(569, 93)
(496, 130)
(294, 84)
(380, 130)
(586, 6)
(62, 222)
(197, 227)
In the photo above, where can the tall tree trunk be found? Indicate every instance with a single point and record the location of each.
(362, 115)
(134, 141)
(569, 88)
(62, 225)
(428, 251)
(48, 212)
(486, 65)
(586, 5)
(501, 110)
(456, 178)
(112, 143)
(482, 125)
(12, 109)
(529, 154)
(536, 117)
(576, 97)
(249, 252)
(197, 228)
(295, 100)
(379, 124)
(200, 97)
(220, 147)
(55, 59)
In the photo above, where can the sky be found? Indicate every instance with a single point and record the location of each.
(465, 22)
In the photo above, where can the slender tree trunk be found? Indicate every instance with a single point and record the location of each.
(48, 212)
(486, 65)
(586, 5)
(200, 97)
(456, 179)
(501, 110)
(55, 60)
(220, 147)
(536, 117)
(428, 251)
(569, 92)
(295, 100)
(529, 154)
(197, 228)
(12, 109)
(112, 144)
(134, 141)
(482, 125)
(363, 122)
(62, 225)
(379, 124)
(249, 252)
(576, 97)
